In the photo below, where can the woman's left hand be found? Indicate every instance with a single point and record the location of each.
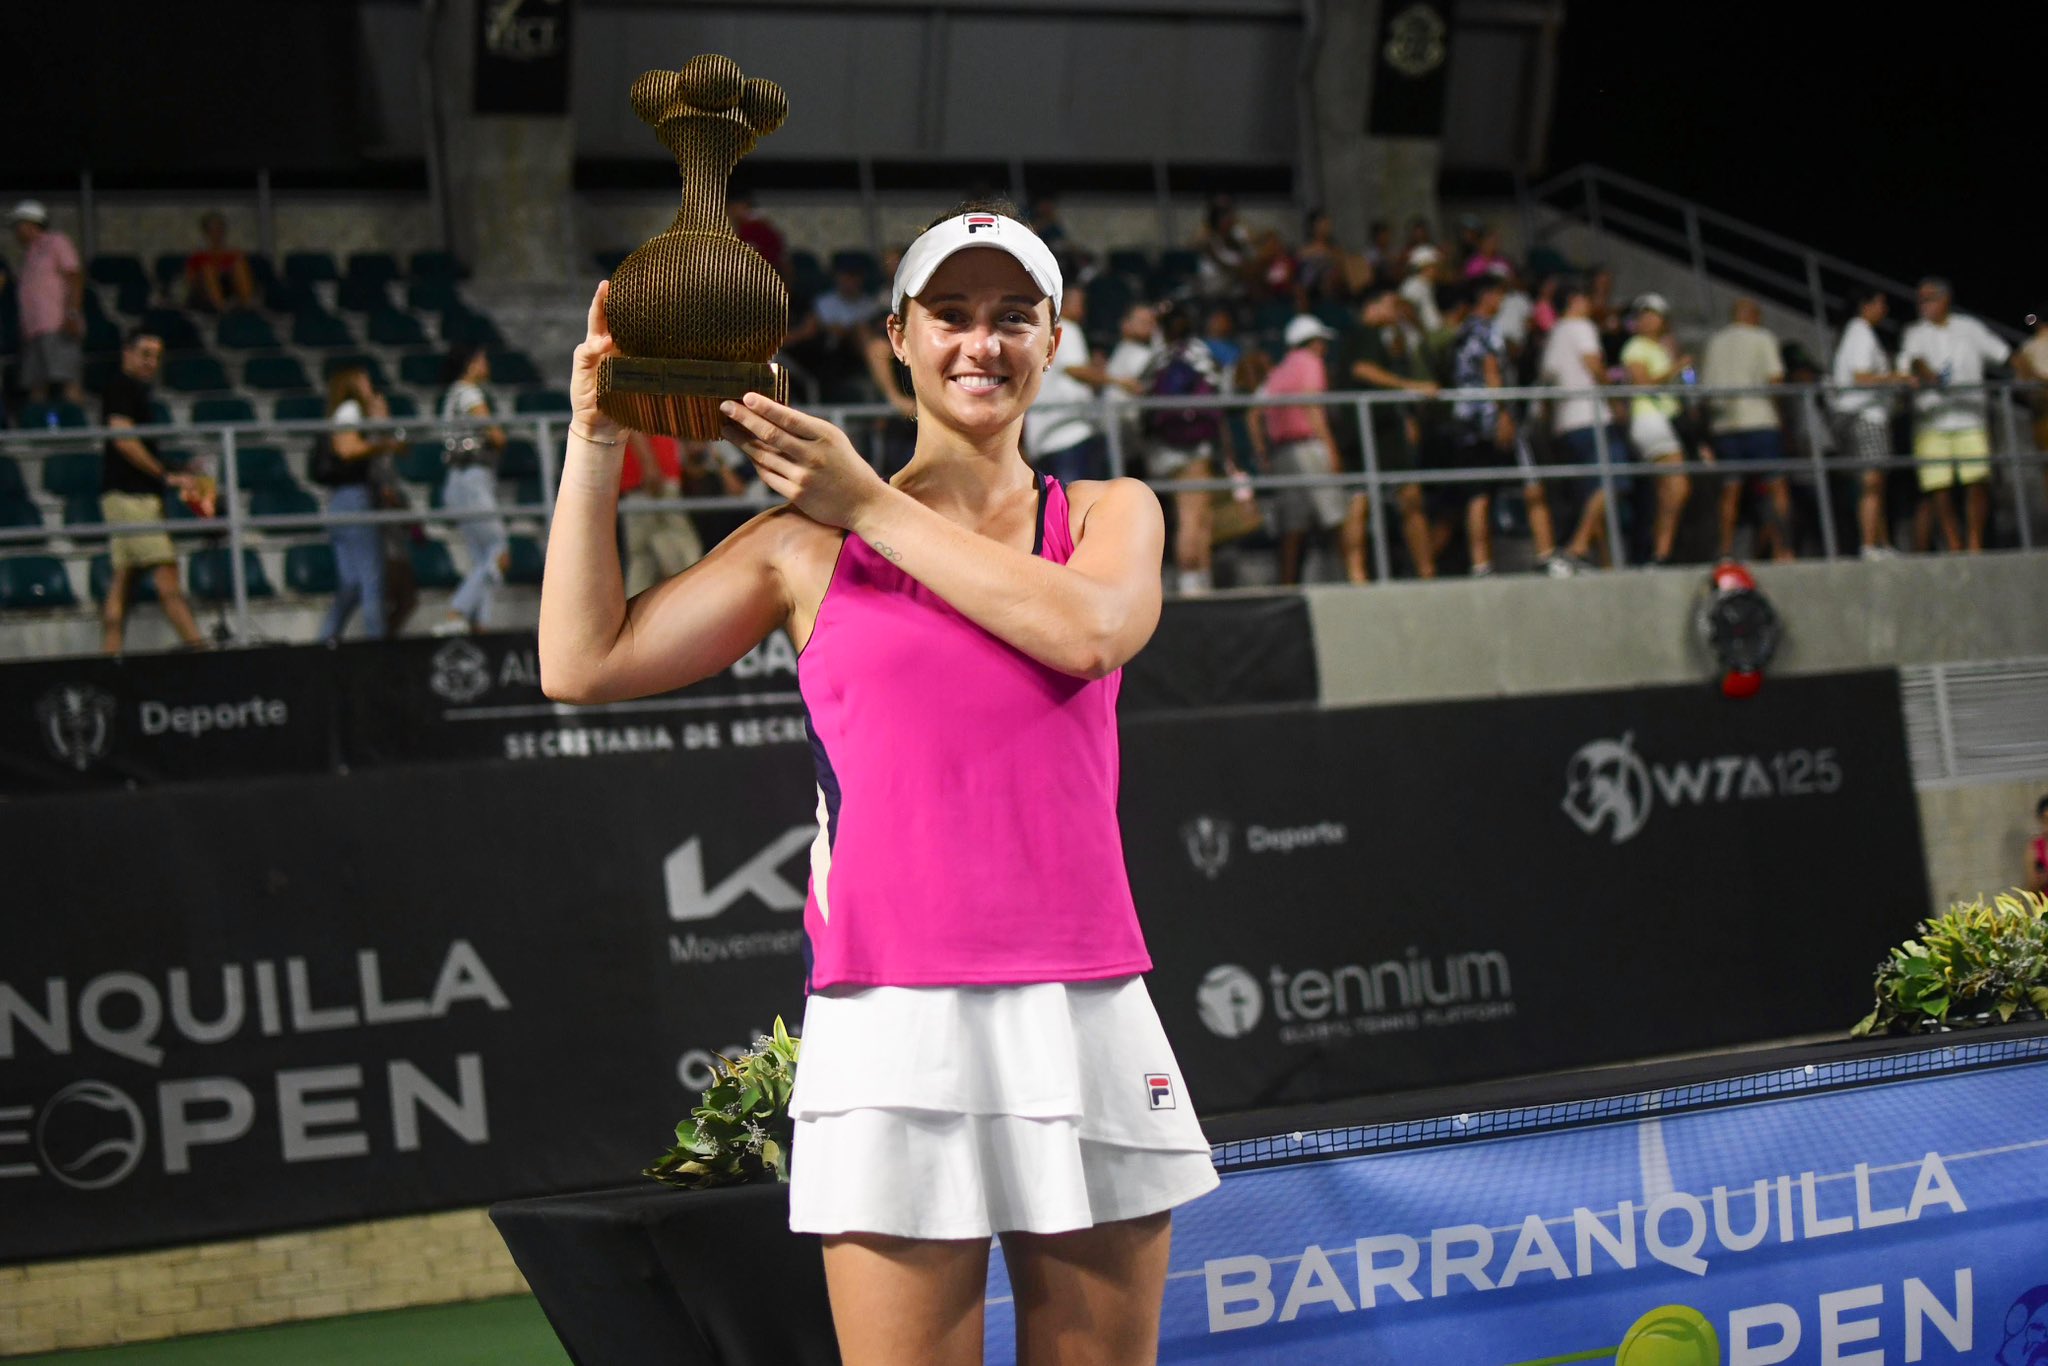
(805, 459)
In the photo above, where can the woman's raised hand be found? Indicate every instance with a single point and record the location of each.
(805, 459)
(597, 344)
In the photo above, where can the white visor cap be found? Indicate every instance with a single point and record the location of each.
(966, 230)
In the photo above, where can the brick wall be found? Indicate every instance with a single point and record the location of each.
(425, 1259)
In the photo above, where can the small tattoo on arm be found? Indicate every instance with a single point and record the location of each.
(888, 552)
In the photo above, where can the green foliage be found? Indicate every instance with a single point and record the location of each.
(740, 1130)
(1977, 961)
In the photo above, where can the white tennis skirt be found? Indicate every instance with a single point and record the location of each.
(958, 1112)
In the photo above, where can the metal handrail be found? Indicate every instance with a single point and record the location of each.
(1106, 411)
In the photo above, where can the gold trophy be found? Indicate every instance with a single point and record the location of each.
(696, 312)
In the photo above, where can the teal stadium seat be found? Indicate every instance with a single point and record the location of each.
(310, 267)
(212, 579)
(423, 462)
(320, 330)
(116, 270)
(299, 408)
(380, 266)
(73, 473)
(309, 569)
(263, 467)
(436, 265)
(223, 410)
(289, 296)
(82, 509)
(422, 368)
(389, 327)
(240, 331)
(519, 460)
(513, 367)
(541, 401)
(275, 374)
(195, 373)
(433, 566)
(160, 412)
(471, 328)
(37, 417)
(361, 360)
(170, 270)
(11, 483)
(17, 514)
(526, 561)
(1130, 261)
(32, 582)
(431, 296)
(283, 502)
(176, 330)
(402, 405)
(100, 576)
(358, 295)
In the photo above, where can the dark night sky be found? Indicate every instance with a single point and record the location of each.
(1905, 140)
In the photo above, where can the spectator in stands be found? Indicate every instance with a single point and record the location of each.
(1419, 289)
(133, 481)
(217, 275)
(1366, 361)
(1863, 420)
(358, 549)
(1297, 440)
(1045, 221)
(1221, 335)
(1651, 357)
(659, 545)
(1420, 234)
(2037, 850)
(1226, 250)
(2030, 366)
(1945, 352)
(846, 316)
(1607, 317)
(50, 288)
(1571, 360)
(1129, 362)
(1067, 444)
(1186, 443)
(472, 486)
(1486, 257)
(1320, 261)
(757, 232)
(1274, 272)
(1516, 316)
(1745, 355)
(1380, 251)
(896, 435)
(401, 584)
(1484, 429)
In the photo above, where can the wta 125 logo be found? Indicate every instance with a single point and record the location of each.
(1610, 787)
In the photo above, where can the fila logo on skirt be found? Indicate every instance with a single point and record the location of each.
(1160, 1085)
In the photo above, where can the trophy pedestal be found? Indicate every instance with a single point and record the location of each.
(681, 397)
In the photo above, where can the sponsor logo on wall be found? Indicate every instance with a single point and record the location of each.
(1610, 788)
(760, 882)
(1358, 1000)
(1210, 840)
(78, 721)
(91, 1134)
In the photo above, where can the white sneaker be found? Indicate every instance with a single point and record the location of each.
(1559, 566)
(451, 626)
(1482, 571)
(1874, 553)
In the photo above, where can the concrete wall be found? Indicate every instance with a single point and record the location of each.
(1412, 641)
(214, 1287)
(1977, 836)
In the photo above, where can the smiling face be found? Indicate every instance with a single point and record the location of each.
(977, 341)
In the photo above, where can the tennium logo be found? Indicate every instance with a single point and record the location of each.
(1358, 999)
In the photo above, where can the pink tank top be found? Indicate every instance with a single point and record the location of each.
(967, 827)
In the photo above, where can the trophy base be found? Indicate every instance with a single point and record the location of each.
(681, 397)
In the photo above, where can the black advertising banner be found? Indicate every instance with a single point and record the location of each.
(85, 724)
(522, 56)
(1359, 901)
(79, 724)
(1410, 72)
(305, 1001)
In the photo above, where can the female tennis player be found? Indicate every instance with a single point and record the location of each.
(980, 1055)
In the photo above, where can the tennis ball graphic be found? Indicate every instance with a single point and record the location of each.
(1675, 1335)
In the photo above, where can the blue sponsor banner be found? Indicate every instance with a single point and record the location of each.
(1901, 1222)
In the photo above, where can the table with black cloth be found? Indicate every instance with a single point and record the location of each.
(646, 1274)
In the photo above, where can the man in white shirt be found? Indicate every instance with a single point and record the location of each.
(1863, 376)
(1572, 360)
(1419, 289)
(1064, 441)
(1744, 355)
(1943, 352)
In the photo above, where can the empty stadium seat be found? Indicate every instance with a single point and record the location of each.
(102, 336)
(11, 482)
(526, 492)
(100, 576)
(389, 327)
(132, 297)
(227, 409)
(195, 374)
(310, 267)
(863, 261)
(98, 370)
(160, 413)
(436, 265)
(241, 331)
(378, 266)
(299, 408)
(309, 569)
(73, 473)
(176, 330)
(431, 296)
(423, 462)
(275, 374)
(262, 467)
(289, 296)
(34, 581)
(82, 509)
(519, 460)
(361, 360)
(807, 275)
(541, 401)
(513, 367)
(116, 270)
(18, 512)
(422, 368)
(290, 501)
(39, 416)
(433, 566)
(526, 561)
(359, 295)
(320, 330)
(402, 405)
(466, 326)
(211, 575)
(1130, 261)
(170, 269)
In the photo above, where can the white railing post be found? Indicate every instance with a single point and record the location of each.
(1615, 548)
(1809, 406)
(236, 576)
(1382, 556)
(2019, 468)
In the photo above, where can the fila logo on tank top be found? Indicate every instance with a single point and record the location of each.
(967, 828)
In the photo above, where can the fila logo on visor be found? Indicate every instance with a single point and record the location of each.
(977, 221)
(1161, 1087)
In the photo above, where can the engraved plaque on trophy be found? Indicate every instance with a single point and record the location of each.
(697, 313)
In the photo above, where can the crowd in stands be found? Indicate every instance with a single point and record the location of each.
(1234, 312)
